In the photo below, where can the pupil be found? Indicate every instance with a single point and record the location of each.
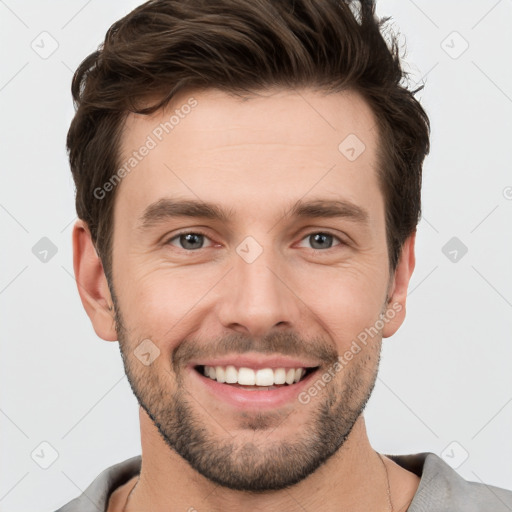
(321, 238)
(189, 238)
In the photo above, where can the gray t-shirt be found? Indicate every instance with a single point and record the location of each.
(441, 488)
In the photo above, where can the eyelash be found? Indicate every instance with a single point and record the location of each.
(198, 232)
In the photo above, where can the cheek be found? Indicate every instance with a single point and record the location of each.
(164, 303)
(346, 300)
(159, 302)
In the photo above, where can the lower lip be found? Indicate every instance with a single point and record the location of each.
(250, 399)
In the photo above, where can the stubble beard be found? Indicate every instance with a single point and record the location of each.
(265, 465)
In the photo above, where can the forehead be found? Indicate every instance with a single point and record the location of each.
(273, 148)
(211, 117)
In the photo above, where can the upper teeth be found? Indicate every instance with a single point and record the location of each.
(249, 377)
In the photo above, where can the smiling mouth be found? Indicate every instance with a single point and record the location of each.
(255, 379)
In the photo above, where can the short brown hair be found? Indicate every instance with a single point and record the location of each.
(242, 46)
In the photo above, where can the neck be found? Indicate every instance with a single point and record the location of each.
(353, 479)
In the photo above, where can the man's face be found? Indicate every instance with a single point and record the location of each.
(263, 283)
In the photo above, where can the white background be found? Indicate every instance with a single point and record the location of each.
(445, 376)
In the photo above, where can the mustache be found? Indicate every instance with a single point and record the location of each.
(283, 343)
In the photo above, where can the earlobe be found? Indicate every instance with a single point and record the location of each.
(92, 283)
(394, 316)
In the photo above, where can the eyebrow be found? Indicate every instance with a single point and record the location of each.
(168, 208)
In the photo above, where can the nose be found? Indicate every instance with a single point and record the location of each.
(257, 296)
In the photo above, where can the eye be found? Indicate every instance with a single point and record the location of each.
(321, 240)
(189, 241)
(194, 240)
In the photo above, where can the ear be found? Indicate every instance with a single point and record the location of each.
(395, 314)
(92, 283)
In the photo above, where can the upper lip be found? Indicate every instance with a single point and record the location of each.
(256, 362)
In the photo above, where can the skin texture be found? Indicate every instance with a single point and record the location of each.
(301, 297)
